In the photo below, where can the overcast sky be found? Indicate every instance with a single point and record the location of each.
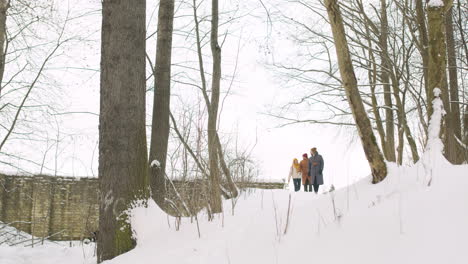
(256, 91)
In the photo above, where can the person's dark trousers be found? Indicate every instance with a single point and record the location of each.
(307, 186)
(316, 186)
(297, 184)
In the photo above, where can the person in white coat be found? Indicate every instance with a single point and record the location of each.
(295, 174)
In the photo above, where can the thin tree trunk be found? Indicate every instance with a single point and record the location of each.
(389, 124)
(371, 72)
(401, 143)
(188, 148)
(465, 131)
(123, 163)
(4, 5)
(461, 29)
(453, 84)
(371, 149)
(224, 167)
(372, 76)
(215, 198)
(232, 186)
(406, 66)
(162, 96)
(403, 126)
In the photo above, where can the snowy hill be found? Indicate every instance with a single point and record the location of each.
(401, 220)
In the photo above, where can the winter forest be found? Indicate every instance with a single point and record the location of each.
(233, 131)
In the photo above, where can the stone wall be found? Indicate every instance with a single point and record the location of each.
(67, 208)
(62, 208)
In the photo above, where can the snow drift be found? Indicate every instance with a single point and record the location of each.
(418, 214)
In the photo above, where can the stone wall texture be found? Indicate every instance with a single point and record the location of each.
(61, 208)
(67, 208)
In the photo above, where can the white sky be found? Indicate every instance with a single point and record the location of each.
(255, 92)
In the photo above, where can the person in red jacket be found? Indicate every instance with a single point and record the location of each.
(304, 166)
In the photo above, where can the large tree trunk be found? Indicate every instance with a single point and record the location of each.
(4, 4)
(389, 124)
(162, 95)
(438, 76)
(215, 197)
(371, 149)
(423, 49)
(123, 169)
(453, 84)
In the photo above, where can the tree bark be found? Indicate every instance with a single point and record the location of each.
(453, 85)
(231, 185)
(162, 96)
(4, 5)
(424, 43)
(215, 197)
(438, 76)
(123, 167)
(389, 124)
(371, 149)
(465, 131)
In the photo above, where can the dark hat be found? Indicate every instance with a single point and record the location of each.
(304, 155)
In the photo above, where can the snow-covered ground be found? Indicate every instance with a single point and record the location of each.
(401, 220)
(418, 214)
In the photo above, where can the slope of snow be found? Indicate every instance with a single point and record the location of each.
(401, 220)
(418, 214)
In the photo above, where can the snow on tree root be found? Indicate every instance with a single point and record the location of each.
(436, 3)
(433, 152)
(156, 163)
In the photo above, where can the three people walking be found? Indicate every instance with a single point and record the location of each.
(309, 169)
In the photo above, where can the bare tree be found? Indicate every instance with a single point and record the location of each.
(453, 86)
(389, 124)
(215, 198)
(4, 5)
(26, 90)
(162, 96)
(123, 163)
(371, 149)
